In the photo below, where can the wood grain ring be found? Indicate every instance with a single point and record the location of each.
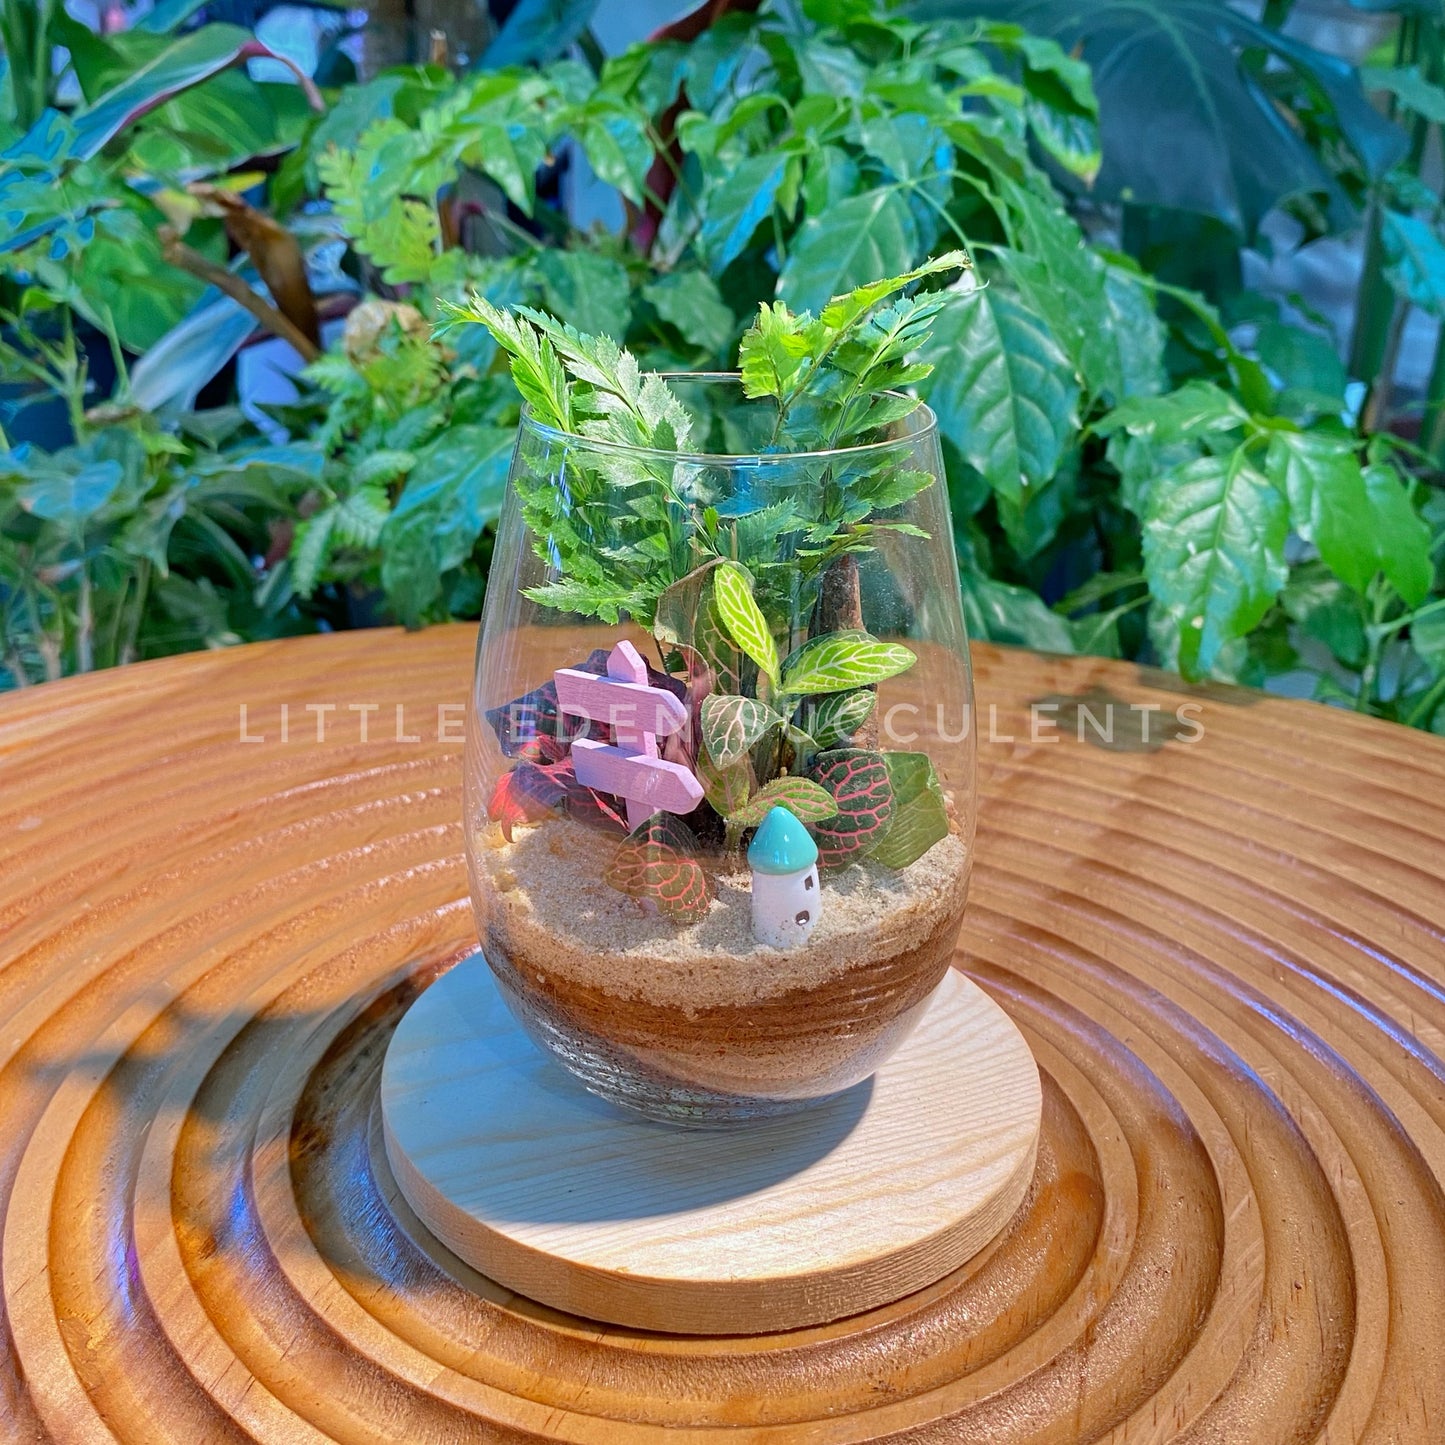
(1229, 958)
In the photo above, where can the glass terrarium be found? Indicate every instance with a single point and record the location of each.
(720, 767)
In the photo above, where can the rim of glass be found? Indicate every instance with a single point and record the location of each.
(928, 419)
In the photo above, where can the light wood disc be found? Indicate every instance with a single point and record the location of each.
(767, 1225)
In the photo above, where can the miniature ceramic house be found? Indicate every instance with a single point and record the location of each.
(786, 895)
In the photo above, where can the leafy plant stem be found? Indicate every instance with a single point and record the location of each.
(1104, 619)
(1424, 709)
(128, 648)
(1382, 630)
(942, 212)
(85, 625)
(1377, 404)
(663, 150)
(277, 323)
(1432, 428)
(15, 667)
(1379, 597)
(45, 644)
(1375, 299)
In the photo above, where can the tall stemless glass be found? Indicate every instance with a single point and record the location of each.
(720, 764)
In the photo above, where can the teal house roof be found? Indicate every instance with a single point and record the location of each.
(781, 845)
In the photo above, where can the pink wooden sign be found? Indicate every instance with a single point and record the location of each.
(638, 715)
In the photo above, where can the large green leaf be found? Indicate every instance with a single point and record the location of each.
(1402, 539)
(1004, 392)
(832, 719)
(1360, 519)
(691, 301)
(849, 245)
(585, 290)
(1195, 411)
(454, 490)
(920, 815)
(59, 493)
(737, 204)
(1321, 478)
(740, 615)
(1001, 612)
(184, 63)
(1214, 553)
(1410, 88)
(615, 138)
(1186, 122)
(538, 30)
(1415, 260)
(177, 366)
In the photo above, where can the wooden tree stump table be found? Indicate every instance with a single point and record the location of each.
(1227, 952)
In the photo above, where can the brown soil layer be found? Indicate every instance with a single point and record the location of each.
(801, 1043)
(705, 1005)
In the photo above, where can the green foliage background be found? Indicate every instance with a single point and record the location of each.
(1126, 476)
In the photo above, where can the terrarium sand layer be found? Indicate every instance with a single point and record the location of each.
(547, 906)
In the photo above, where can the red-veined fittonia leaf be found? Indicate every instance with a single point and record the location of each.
(806, 800)
(858, 780)
(656, 862)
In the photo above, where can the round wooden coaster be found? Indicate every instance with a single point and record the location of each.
(760, 1226)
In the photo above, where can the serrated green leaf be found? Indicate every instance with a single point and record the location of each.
(744, 621)
(361, 517)
(1214, 554)
(805, 799)
(383, 467)
(732, 726)
(920, 817)
(1004, 392)
(843, 660)
(1416, 260)
(691, 301)
(1320, 476)
(775, 350)
(1402, 539)
(1409, 87)
(310, 547)
(866, 236)
(737, 204)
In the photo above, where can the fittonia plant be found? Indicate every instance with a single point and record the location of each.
(755, 611)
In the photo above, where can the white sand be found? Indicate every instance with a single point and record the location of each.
(544, 897)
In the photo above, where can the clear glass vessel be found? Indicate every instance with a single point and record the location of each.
(720, 758)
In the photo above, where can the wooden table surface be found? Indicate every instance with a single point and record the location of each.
(1227, 953)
